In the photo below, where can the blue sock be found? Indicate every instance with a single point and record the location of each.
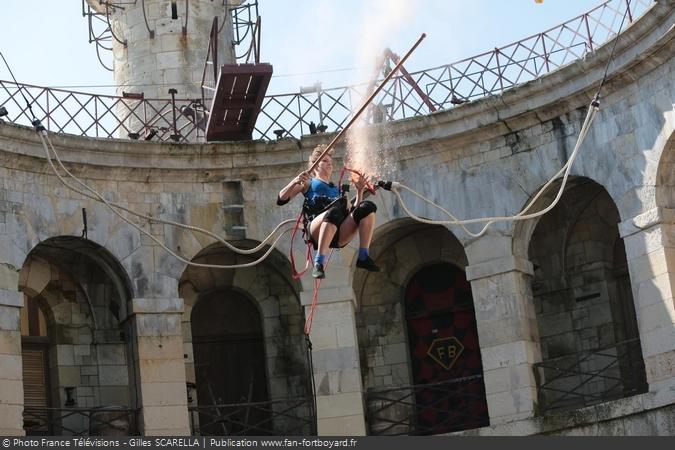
(363, 254)
(319, 259)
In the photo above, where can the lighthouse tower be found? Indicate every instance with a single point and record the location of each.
(159, 45)
(175, 68)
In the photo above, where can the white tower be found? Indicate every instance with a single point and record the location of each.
(160, 46)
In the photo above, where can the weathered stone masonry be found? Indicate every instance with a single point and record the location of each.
(488, 157)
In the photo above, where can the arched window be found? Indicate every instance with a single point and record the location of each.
(588, 333)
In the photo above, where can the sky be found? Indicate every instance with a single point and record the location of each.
(330, 41)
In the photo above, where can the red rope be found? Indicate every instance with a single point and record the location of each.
(315, 299)
(294, 273)
(312, 308)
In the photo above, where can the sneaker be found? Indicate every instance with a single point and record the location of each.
(318, 272)
(367, 264)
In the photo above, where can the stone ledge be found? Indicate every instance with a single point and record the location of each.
(568, 420)
(648, 219)
(497, 266)
(157, 306)
(11, 298)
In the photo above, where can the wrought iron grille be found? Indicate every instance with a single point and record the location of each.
(425, 409)
(100, 31)
(246, 30)
(591, 377)
(102, 421)
(290, 114)
(245, 25)
(293, 417)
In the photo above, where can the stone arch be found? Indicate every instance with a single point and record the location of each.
(68, 252)
(406, 250)
(399, 268)
(270, 290)
(84, 294)
(665, 175)
(582, 297)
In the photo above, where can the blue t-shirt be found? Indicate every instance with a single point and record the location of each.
(319, 195)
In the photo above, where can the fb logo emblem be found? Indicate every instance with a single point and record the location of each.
(445, 351)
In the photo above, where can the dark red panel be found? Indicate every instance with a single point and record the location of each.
(439, 311)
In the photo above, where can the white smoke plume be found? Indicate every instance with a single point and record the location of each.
(381, 23)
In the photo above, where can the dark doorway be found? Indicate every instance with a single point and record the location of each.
(35, 367)
(445, 355)
(230, 368)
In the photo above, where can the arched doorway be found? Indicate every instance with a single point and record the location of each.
(444, 351)
(421, 288)
(229, 360)
(255, 317)
(78, 357)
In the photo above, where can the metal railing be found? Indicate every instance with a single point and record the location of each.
(591, 377)
(102, 116)
(102, 421)
(293, 417)
(448, 85)
(424, 409)
(290, 114)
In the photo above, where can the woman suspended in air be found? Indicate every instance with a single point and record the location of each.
(332, 221)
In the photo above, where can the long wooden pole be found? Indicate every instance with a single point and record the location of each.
(367, 102)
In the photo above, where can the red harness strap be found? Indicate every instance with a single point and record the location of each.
(297, 275)
(294, 273)
(315, 298)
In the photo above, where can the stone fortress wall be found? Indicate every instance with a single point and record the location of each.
(596, 271)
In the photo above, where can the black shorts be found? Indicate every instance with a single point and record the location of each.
(335, 242)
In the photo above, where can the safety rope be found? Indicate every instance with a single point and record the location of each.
(315, 298)
(593, 108)
(158, 220)
(115, 208)
(522, 215)
(294, 273)
(310, 369)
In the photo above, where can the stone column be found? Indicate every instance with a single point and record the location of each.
(650, 250)
(11, 381)
(507, 330)
(159, 366)
(335, 353)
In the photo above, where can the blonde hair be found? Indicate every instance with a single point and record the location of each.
(318, 150)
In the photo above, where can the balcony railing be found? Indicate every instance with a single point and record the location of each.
(294, 417)
(591, 377)
(102, 421)
(424, 409)
(444, 86)
(448, 85)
